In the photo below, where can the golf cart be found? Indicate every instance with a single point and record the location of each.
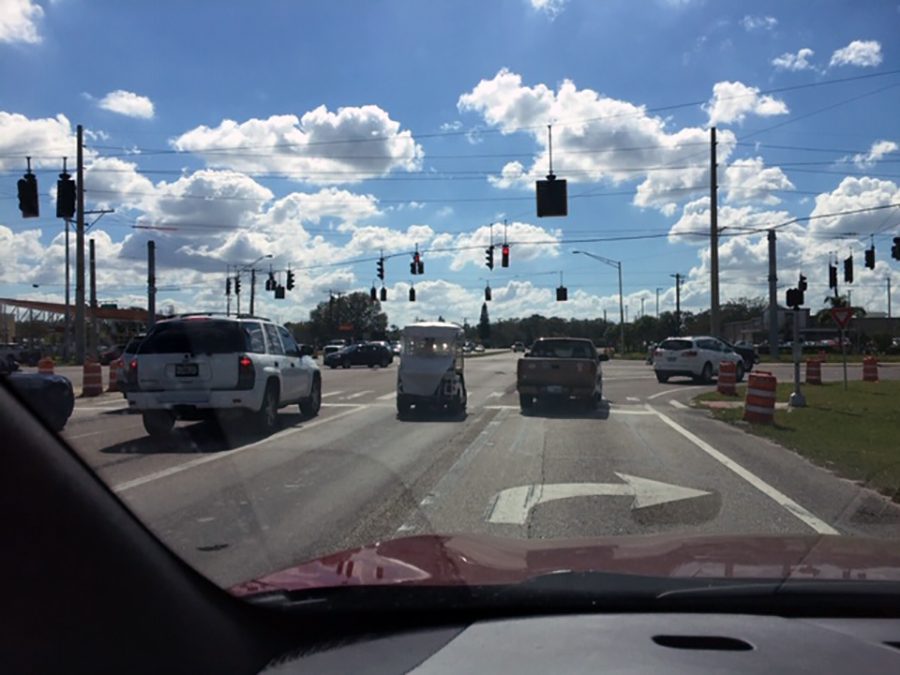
(431, 370)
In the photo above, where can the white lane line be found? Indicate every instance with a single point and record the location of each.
(358, 394)
(632, 398)
(495, 394)
(662, 393)
(677, 404)
(612, 410)
(501, 407)
(772, 493)
(343, 405)
(171, 471)
(77, 436)
(333, 393)
(387, 396)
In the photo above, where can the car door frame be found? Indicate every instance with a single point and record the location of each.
(297, 369)
(279, 362)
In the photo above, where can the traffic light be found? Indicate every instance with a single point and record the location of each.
(373, 294)
(504, 257)
(65, 196)
(380, 267)
(848, 270)
(870, 257)
(290, 280)
(802, 285)
(28, 196)
(237, 285)
(227, 285)
(895, 249)
(417, 266)
(832, 276)
(279, 292)
(489, 257)
(270, 282)
(794, 297)
(412, 294)
(383, 294)
(562, 294)
(487, 293)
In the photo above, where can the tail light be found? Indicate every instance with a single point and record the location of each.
(246, 373)
(132, 373)
(689, 353)
(658, 352)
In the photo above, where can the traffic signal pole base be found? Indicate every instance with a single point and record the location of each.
(797, 400)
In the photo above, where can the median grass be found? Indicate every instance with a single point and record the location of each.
(853, 432)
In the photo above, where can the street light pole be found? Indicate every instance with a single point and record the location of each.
(618, 265)
(244, 268)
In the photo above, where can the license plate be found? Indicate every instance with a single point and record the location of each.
(671, 358)
(554, 389)
(186, 370)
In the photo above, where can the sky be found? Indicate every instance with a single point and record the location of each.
(327, 134)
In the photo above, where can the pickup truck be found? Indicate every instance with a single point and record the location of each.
(560, 368)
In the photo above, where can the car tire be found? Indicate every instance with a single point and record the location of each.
(267, 415)
(526, 401)
(706, 373)
(345, 364)
(739, 372)
(385, 363)
(662, 379)
(333, 366)
(311, 405)
(158, 423)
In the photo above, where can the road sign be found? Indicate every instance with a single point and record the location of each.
(345, 327)
(842, 316)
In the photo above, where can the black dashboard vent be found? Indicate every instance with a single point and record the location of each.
(704, 642)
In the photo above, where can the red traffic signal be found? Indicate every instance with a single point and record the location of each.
(504, 259)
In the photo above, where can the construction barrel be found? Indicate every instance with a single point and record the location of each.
(759, 406)
(727, 378)
(870, 369)
(93, 379)
(814, 370)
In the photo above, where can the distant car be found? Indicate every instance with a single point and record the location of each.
(695, 357)
(746, 352)
(478, 349)
(366, 354)
(50, 397)
(333, 346)
(121, 362)
(518, 347)
(109, 355)
(396, 348)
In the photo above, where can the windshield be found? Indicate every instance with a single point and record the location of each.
(508, 237)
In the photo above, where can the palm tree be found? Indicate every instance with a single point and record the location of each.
(823, 316)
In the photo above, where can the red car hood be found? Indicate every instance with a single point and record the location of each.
(472, 560)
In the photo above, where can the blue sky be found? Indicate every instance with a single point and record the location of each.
(325, 132)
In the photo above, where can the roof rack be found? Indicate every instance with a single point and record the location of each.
(222, 314)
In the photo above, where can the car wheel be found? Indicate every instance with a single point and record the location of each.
(345, 364)
(662, 379)
(333, 366)
(739, 372)
(706, 373)
(158, 422)
(526, 401)
(267, 415)
(311, 405)
(384, 363)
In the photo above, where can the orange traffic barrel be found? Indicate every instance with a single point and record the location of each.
(870, 369)
(93, 379)
(45, 366)
(727, 378)
(113, 369)
(814, 371)
(759, 407)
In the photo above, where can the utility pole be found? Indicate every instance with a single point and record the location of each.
(713, 236)
(237, 296)
(888, 281)
(93, 273)
(642, 307)
(151, 283)
(657, 302)
(773, 298)
(252, 289)
(67, 335)
(677, 303)
(79, 247)
(227, 290)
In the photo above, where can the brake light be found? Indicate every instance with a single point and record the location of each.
(658, 352)
(132, 375)
(689, 353)
(246, 373)
(245, 362)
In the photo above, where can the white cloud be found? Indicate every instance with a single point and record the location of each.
(472, 245)
(320, 147)
(752, 23)
(856, 193)
(749, 180)
(733, 101)
(860, 53)
(551, 8)
(18, 21)
(595, 138)
(878, 150)
(41, 138)
(693, 225)
(127, 103)
(798, 61)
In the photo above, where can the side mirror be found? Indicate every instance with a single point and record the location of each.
(603, 356)
(307, 350)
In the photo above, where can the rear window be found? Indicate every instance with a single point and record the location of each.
(562, 349)
(676, 345)
(195, 337)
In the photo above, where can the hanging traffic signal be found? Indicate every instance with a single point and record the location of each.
(794, 297)
(489, 256)
(895, 249)
(237, 285)
(552, 197)
(802, 285)
(848, 270)
(28, 196)
(227, 285)
(562, 294)
(487, 293)
(504, 256)
(373, 294)
(832, 276)
(279, 292)
(412, 294)
(383, 294)
(65, 196)
(290, 280)
(870, 257)
(380, 268)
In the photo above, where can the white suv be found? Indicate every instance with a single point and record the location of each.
(695, 357)
(200, 365)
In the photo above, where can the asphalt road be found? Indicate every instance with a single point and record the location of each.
(238, 506)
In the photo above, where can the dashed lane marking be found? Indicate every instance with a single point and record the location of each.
(333, 393)
(677, 404)
(661, 393)
(632, 398)
(772, 493)
(386, 397)
(358, 394)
